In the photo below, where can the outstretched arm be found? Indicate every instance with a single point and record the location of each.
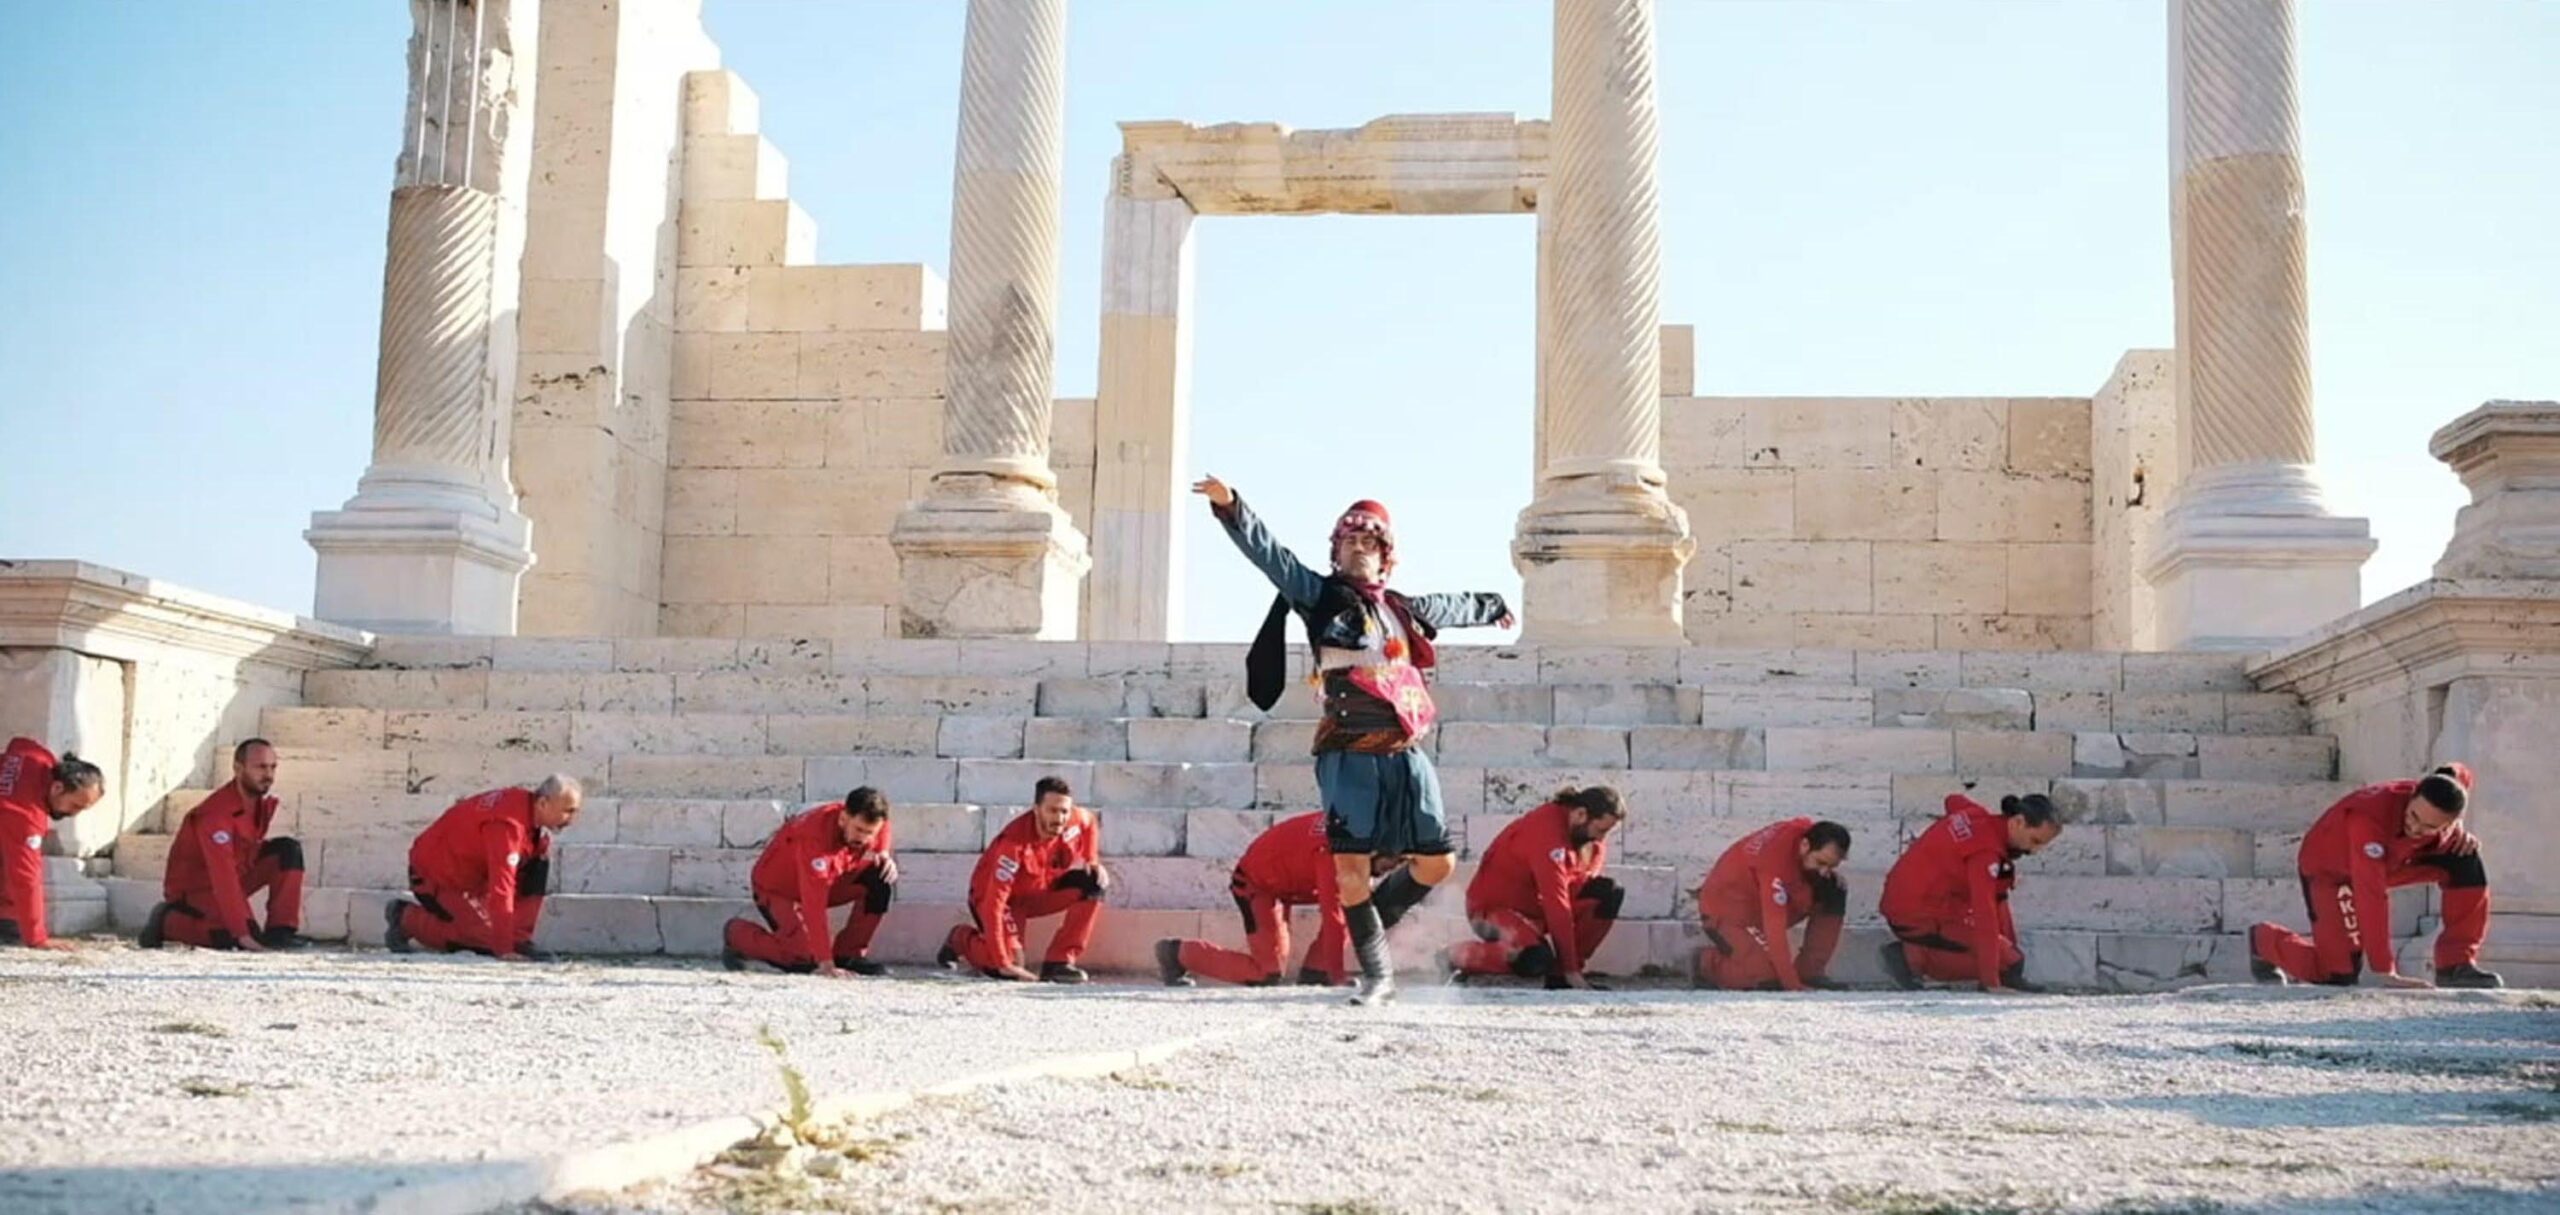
(1298, 584)
(1461, 610)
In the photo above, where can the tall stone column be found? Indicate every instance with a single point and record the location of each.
(1601, 547)
(2249, 553)
(1141, 418)
(988, 553)
(431, 541)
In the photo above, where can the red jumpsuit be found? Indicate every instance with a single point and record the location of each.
(1289, 865)
(1539, 903)
(222, 856)
(1753, 895)
(479, 873)
(1947, 897)
(2349, 861)
(806, 869)
(1018, 878)
(26, 817)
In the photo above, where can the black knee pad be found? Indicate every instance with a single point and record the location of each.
(1608, 893)
(286, 851)
(1830, 896)
(1536, 960)
(9, 934)
(877, 891)
(2460, 872)
(533, 877)
(1085, 880)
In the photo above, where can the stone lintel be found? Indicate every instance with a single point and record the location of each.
(1402, 164)
(2429, 634)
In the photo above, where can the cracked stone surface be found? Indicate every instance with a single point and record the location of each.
(2214, 1099)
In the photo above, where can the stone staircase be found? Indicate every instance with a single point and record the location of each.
(2187, 790)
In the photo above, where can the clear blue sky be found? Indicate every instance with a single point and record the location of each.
(1859, 199)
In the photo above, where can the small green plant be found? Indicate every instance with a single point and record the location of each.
(795, 1087)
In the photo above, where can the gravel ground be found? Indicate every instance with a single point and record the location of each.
(186, 1081)
(2217, 1099)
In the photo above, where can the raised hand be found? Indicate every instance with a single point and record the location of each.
(1217, 491)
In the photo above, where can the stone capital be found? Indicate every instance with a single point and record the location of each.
(2508, 454)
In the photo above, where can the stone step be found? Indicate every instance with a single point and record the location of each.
(558, 698)
(1124, 943)
(1691, 665)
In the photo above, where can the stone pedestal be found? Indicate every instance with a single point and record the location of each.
(988, 553)
(2508, 455)
(1600, 549)
(2249, 554)
(431, 542)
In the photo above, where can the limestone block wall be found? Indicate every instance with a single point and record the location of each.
(2133, 450)
(807, 402)
(598, 319)
(1917, 523)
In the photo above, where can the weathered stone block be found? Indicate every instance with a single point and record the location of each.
(2247, 901)
(1954, 708)
(1736, 503)
(1085, 738)
(1143, 831)
(2110, 802)
(2070, 672)
(361, 862)
(1224, 834)
(698, 927)
(1587, 746)
(689, 776)
(965, 737)
(831, 299)
(668, 733)
(2137, 962)
(2168, 712)
(1495, 702)
(2264, 713)
(709, 872)
(1759, 796)
(2252, 807)
(930, 694)
(323, 728)
(1190, 740)
(1802, 576)
(1885, 752)
(1862, 631)
(1924, 796)
(669, 824)
(1175, 785)
(1009, 782)
(1291, 789)
(1696, 747)
(1771, 666)
(748, 824)
(428, 653)
(2227, 757)
(2187, 672)
(600, 924)
(2119, 904)
(1865, 504)
(2048, 579)
(744, 232)
(2049, 436)
(610, 869)
(1938, 433)
(2060, 959)
(1910, 669)
(1712, 624)
(1617, 704)
(938, 827)
(2196, 852)
(828, 734)
(2013, 753)
(2075, 711)
(2074, 853)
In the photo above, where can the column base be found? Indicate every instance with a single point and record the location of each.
(402, 558)
(987, 558)
(1601, 564)
(2249, 559)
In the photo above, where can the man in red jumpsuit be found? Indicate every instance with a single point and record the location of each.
(35, 790)
(480, 871)
(1769, 881)
(1538, 900)
(824, 857)
(1289, 865)
(2402, 833)
(222, 856)
(1947, 897)
(1047, 861)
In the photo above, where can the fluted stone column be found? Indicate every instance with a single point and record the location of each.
(988, 553)
(431, 541)
(2249, 553)
(1601, 547)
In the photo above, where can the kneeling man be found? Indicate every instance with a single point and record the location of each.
(1538, 899)
(222, 856)
(825, 857)
(1047, 861)
(1769, 881)
(1947, 898)
(2401, 833)
(1288, 865)
(479, 873)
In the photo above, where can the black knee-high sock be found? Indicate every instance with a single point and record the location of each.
(1398, 894)
(1368, 938)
